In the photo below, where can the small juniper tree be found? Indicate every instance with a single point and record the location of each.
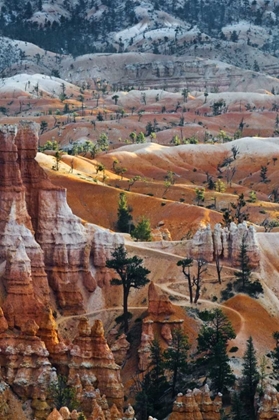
(263, 174)
(199, 195)
(142, 231)
(62, 395)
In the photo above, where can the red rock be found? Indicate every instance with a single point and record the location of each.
(196, 405)
(3, 322)
(92, 358)
(120, 349)
(55, 415)
(158, 303)
(21, 304)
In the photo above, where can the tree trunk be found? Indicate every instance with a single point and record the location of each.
(197, 294)
(174, 380)
(125, 309)
(190, 289)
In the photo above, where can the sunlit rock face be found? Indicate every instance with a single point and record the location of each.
(225, 243)
(47, 259)
(35, 213)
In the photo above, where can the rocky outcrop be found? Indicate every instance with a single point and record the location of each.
(269, 405)
(21, 304)
(25, 364)
(224, 242)
(102, 245)
(158, 302)
(161, 319)
(92, 362)
(5, 410)
(120, 348)
(43, 246)
(63, 253)
(160, 234)
(197, 405)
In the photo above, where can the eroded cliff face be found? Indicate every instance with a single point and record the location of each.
(59, 251)
(44, 248)
(225, 243)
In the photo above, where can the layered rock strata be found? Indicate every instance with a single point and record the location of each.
(43, 245)
(225, 243)
(59, 247)
(92, 363)
(87, 362)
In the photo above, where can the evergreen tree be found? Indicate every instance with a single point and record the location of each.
(243, 275)
(250, 378)
(153, 385)
(212, 342)
(220, 371)
(238, 411)
(240, 214)
(131, 275)
(218, 328)
(61, 394)
(124, 221)
(175, 359)
(142, 231)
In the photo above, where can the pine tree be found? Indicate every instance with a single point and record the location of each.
(142, 232)
(238, 411)
(220, 371)
(132, 274)
(244, 274)
(176, 358)
(124, 221)
(218, 328)
(212, 342)
(153, 386)
(250, 377)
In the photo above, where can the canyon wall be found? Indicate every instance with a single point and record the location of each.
(48, 259)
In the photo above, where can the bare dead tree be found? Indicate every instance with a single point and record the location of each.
(197, 280)
(186, 265)
(194, 281)
(230, 172)
(219, 267)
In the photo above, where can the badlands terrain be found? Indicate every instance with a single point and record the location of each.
(193, 142)
(176, 106)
